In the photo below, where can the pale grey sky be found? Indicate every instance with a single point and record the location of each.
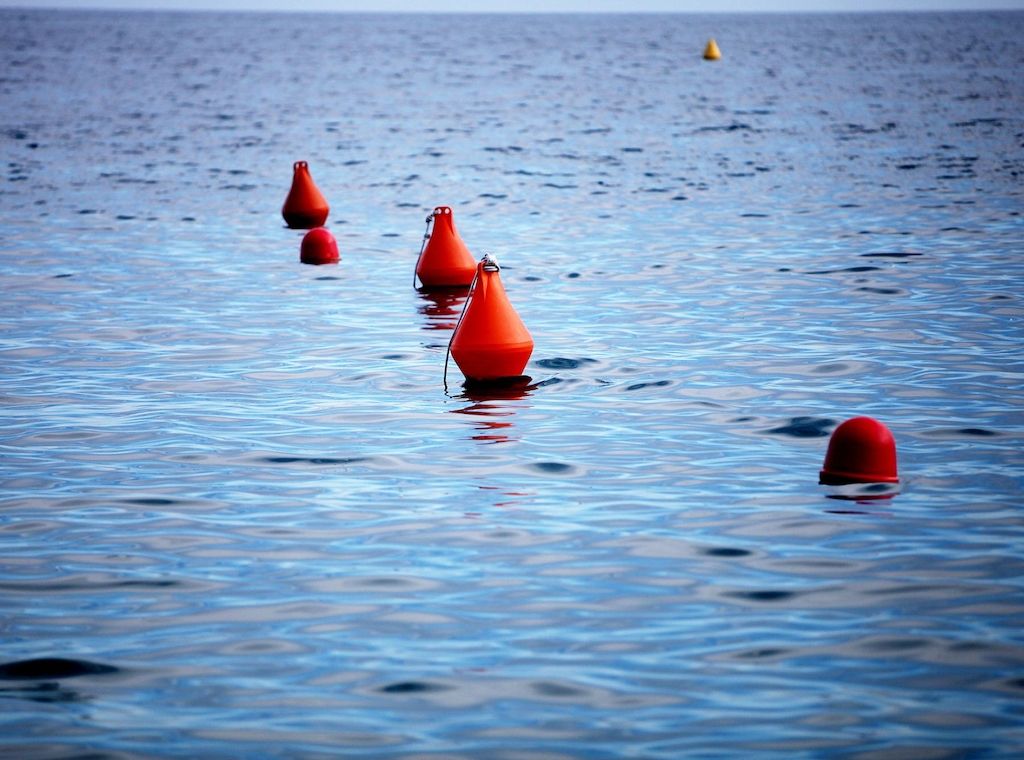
(678, 6)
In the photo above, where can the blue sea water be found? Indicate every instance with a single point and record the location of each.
(242, 516)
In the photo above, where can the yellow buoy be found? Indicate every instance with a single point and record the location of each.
(711, 51)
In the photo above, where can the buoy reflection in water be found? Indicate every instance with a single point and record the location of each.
(490, 403)
(442, 307)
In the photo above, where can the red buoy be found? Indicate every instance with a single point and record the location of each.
(305, 206)
(861, 450)
(490, 342)
(445, 260)
(319, 247)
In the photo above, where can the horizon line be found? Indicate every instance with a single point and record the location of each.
(512, 12)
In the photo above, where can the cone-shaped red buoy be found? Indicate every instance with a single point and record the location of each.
(445, 261)
(319, 247)
(305, 206)
(861, 450)
(491, 342)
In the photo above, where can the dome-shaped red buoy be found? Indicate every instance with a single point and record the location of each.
(305, 206)
(319, 247)
(445, 260)
(490, 342)
(861, 450)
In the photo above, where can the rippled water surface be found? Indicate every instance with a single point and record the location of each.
(242, 517)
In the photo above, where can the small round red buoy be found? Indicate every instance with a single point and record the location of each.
(305, 207)
(319, 247)
(861, 450)
(491, 342)
(445, 261)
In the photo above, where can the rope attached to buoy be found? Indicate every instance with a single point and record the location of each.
(423, 247)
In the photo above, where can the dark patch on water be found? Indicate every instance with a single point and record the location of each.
(764, 596)
(760, 654)
(968, 432)
(44, 693)
(890, 255)
(555, 468)
(881, 291)
(36, 587)
(561, 362)
(326, 278)
(804, 427)
(390, 234)
(736, 126)
(52, 667)
(652, 384)
(860, 129)
(144, 584)
(896, 645)
(862, 268)
(726, 551)
(993, 122)
(313, 460)
(413, 687)
(831, 368)
(153, 501)
(61, 276)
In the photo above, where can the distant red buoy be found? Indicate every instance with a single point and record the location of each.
(491, 342)
(861, 450)
(445, 261)
(305, 206)
(319, 247)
